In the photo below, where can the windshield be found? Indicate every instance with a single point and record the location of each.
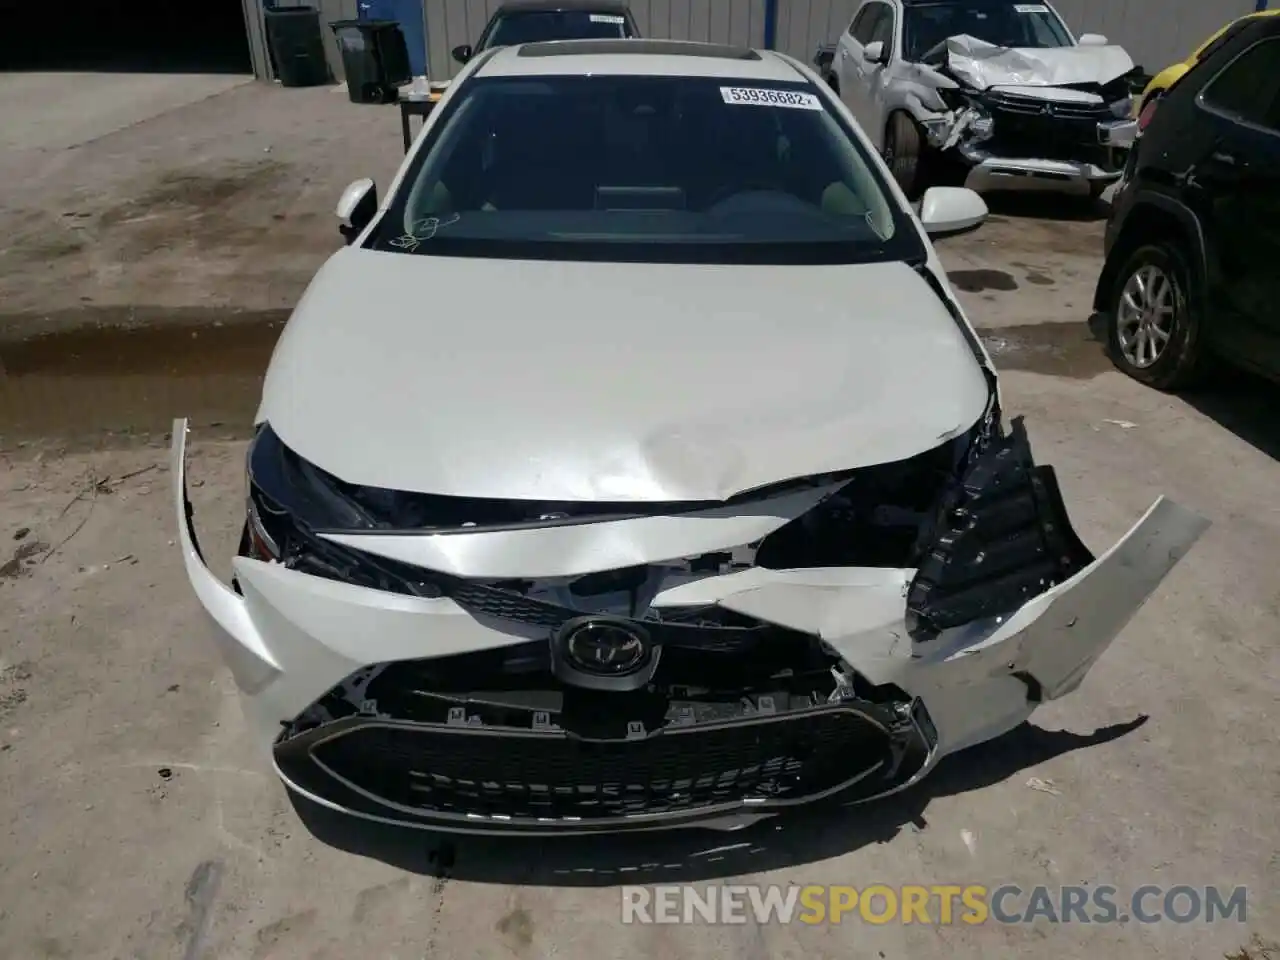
(537, 26)
(641, 167)
(1005, 24)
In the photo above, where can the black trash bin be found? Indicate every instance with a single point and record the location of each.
(296, 46)
(375, 59)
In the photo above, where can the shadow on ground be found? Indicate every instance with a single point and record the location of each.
(1237, 400)
(695, 855)
(1244, 404)
(1046, 206)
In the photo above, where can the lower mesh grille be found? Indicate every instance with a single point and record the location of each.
(437, 770)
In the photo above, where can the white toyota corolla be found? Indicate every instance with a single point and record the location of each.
(633, 466)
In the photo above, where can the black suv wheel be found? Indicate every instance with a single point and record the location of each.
(1152, 332)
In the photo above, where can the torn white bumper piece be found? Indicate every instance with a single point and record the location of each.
(429, 692)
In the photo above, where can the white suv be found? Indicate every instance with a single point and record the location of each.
(1001, 87)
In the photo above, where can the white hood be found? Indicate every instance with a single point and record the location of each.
(981, 65)
(613, 382)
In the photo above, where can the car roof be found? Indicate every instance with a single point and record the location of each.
(635, 57)
(590, 6)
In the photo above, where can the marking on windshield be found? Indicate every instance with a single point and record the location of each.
(1030, 8)
(423, 230)
(765, 97)
(607, 18)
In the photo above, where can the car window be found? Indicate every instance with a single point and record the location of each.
(883, 31)
(868, 21)
(535, 26)
(691, 168)
(862, 22)
(1249, 86)
(926, 26)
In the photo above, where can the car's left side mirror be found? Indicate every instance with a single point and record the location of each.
(874, 52)
(1092, 40)
(356, 207)
(461, 53)
(950, 211)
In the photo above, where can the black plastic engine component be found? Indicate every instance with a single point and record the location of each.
(999, 538)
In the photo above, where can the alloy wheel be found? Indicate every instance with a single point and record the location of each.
(1146, 315)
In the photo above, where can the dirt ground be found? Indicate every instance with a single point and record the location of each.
(137, 820)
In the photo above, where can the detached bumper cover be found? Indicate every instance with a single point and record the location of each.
(426, 712)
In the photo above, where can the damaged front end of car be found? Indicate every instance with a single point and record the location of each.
(511, 666)
(1015, 117)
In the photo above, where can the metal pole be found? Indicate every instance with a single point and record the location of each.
(771, 23)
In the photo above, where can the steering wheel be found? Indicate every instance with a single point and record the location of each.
(733, 189)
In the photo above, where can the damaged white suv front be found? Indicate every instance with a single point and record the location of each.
(582, 500)
(1000, 87)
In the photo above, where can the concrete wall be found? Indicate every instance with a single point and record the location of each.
(454, 22)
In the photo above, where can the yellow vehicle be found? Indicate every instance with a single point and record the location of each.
(1170, 75)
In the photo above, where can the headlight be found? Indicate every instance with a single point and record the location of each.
(1122, 109)
(953, 97)
(983, 125)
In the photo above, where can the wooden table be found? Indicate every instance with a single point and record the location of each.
(418, 107)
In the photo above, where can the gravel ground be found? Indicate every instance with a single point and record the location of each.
(138, 821)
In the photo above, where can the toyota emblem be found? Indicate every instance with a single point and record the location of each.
(605, 648)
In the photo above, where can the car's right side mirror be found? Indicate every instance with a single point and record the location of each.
(951, 211)
(873, 52)
(1092, 40)
(462, 53)
(356, 207)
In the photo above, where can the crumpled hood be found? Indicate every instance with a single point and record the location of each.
(981, 65)
(611, 381)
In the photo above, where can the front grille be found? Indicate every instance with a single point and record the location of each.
(519, 775)
(1022, 128)
(493, 737)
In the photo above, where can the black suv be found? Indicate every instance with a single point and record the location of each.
(1193, 244)
(535, 21)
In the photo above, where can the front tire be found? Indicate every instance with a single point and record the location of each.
(904, 153)
(1153, 332)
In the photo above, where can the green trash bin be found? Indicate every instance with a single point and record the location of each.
(297, 46)
(375, 59)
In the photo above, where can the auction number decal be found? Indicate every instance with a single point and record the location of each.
(764, 97)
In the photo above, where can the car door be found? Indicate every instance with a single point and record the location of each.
(1236, 174)
(850, 66)
(874, 77)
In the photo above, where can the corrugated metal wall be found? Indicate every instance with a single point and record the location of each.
(1155, 32)
(804, 25)
(454, 22)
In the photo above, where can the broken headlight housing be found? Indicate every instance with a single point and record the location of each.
(982, 125)
(953, 97)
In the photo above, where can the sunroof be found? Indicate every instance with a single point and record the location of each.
(666, 48)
